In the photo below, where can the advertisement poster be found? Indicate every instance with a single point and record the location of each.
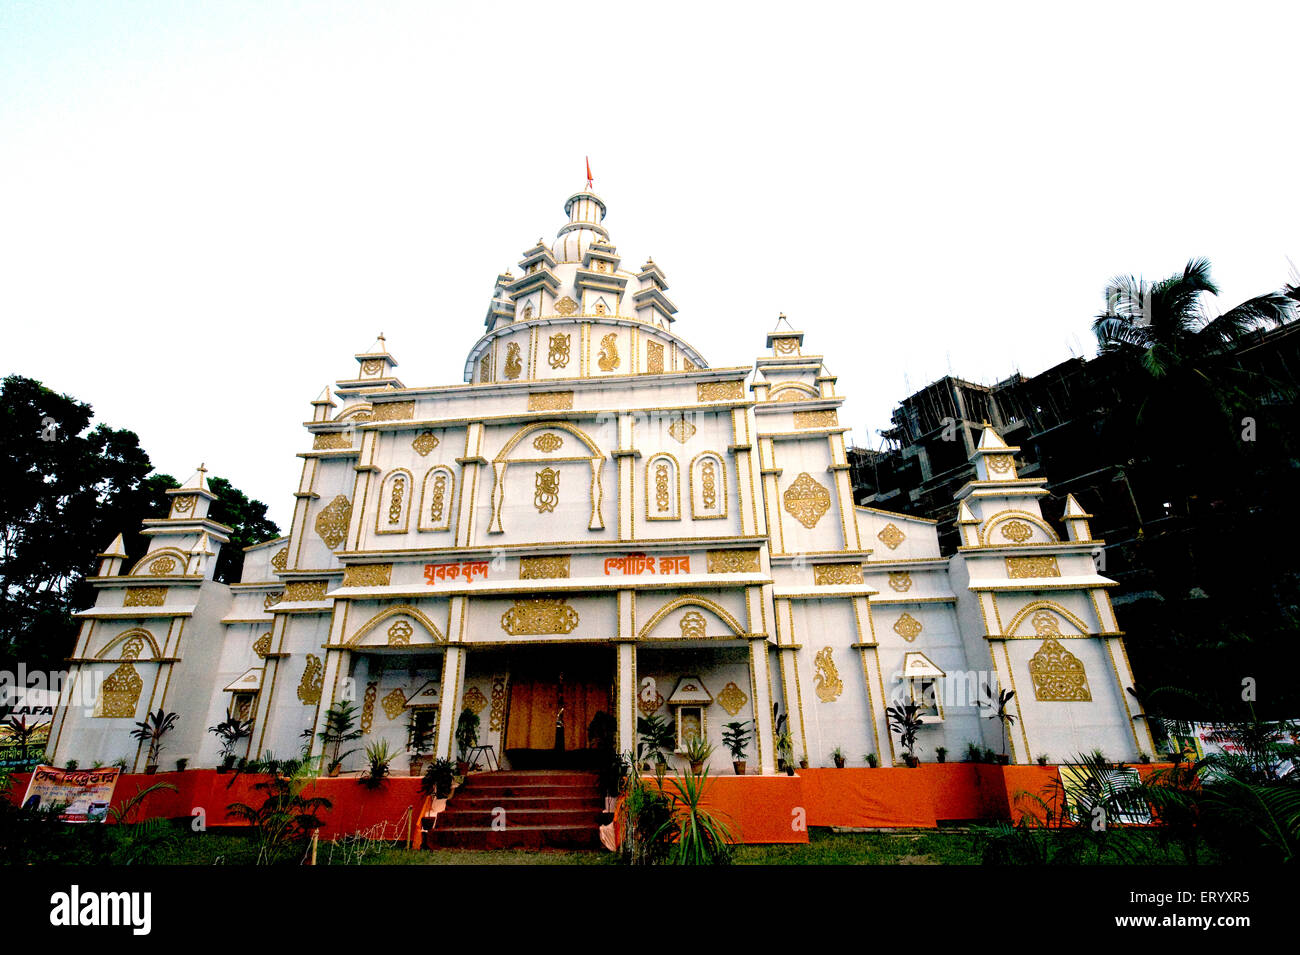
(84, 794)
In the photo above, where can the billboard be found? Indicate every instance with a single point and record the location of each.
(83, 794)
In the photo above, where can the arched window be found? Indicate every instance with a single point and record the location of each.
(708, 486)
(436, 499)
(393, 511)
(663, 489)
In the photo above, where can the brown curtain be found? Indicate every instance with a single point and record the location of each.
(533, 707)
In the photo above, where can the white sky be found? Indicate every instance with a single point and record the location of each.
(207, 208)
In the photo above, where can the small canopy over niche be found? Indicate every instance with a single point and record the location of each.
(688, 704)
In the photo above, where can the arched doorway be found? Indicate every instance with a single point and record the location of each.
(560, 713)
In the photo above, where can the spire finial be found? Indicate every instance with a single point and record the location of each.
(589, 180)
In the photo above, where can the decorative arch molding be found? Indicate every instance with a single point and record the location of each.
(144, 567)
(401, 610)
(791, 391)
(1027, 612)
(708, 486)
(691, 600)
(361, 412)
(437, 494)
(663, 488)
(500, 465)
(1003, 517)
(128, 635)
(393, 513)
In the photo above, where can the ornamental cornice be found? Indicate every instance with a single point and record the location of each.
(648, 545)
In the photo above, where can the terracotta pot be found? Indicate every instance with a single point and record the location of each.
(335, 769)
(1004, 759)
(738, 765)
(912, 761)
(150, 769)
(803, 764)
(839, 762)
(696, 766)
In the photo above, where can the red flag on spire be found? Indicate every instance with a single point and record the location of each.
(588, 158)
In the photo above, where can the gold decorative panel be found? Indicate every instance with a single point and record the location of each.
(558, 355)
(371, 366)
(807, 500)
(424, 442)
(682, 430)
(649, 705)
(548, 442)
(1017, 531)
(514, 365)
(397, 496)
(331, 441)
(566, 306)
(485, 367)
(543, 568)
(608, 357)
(368, 707)
(539, 615)
(732, 561)
(393, 704)
(313, 679)
(305, 590)
(120, 692)
(654, 358)
(816, 419)
(550, 401)
(907, 627)
(497, 715)
(474, 700)
(399, 634)
(145, 596)
(709, 480)
(693, 625)
(1018, 567)
(719, 390)
(281, 559)
(1058, 675)
(785, 346)
(827, 677)
(438, 497)
(837, 574)
(732, 699)
(1000, 463)
(547, 493)
(183, 505)
(394, 411)
(162, 566)
(891, 536)
(332, 521)
(901, 581)
(271, 599)
(662, 497)
(262, 645)
(367, 575)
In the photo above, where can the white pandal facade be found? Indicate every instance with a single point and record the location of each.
(600, 520)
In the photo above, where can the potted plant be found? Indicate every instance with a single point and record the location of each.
(785, 751)
(905, 720)
(379, 756)
(1000, 713)
(837, 754)
(439, 778)
(872, 761)
(941, 753)
(466, 738)
(230, 731)
(151, 730)
(656, 738)
(735, 737)
(1042, 760)
(182, 763)
(340, 727)
(697, 752)
(803, 761)
(419, 740)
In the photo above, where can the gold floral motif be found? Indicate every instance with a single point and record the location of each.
(688, 365)
(543, 568)
(550, 401)
(281, 559)
(827, 677)
(539, 615)
(332, 521)
(162, 566)
(183, 505)
(1016, 531)
(816, 419)
(608, 357)
(394, 703)
(485, 367)
(305, 590)
(1000, 463)
(807, 500)
(474, 700)
(514, 365)
(399, 634)
(424, 442)
(719, 390)
(368, 707)
(693, 625)
(654, 358)
(566, 306)
(681, 429)
(547, 490)
(439, 497)
(331, 440)
(891, 536)
(528, 311)
(732, 561)
(271, 599)
(558, 355)
(907, 627)
(132, 648)
(785, 346)
(1018, 567)
(901, 581)
(600, 308)
(145, 596)
(394, 411)
(548, 442)
(367, 575)
(835, 574)
(497, 715)
(661, 487)
(649, 706)
(371, 366)
(120, 692)
(732, 699)
(262, 645)
(710, 475)
(395, 502)
(1058, 675)
(313, 679)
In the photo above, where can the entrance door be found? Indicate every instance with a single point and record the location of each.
(552, 705)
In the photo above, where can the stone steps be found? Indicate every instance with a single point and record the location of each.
(542, 810)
